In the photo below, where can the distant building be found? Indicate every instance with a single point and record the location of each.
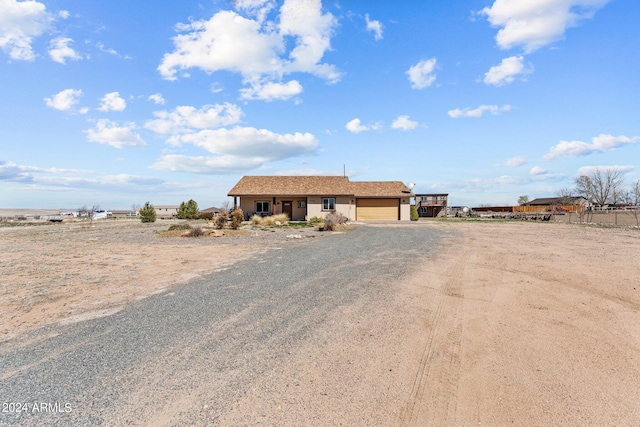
(166, 211)
(430, 205)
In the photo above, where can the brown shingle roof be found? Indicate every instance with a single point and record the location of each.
(291, 186)
(316, 185)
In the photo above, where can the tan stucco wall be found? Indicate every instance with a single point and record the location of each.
(405, 209)
(344, 205)
(248, 206)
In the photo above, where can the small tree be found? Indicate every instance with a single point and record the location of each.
(148, 213)
(188, 210)
(413, 213)
(523, 199)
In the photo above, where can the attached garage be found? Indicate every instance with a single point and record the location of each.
(377, 209)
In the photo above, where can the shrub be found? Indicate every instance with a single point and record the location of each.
(256, 220)
(188, 210)
(196, 232)
(221, 221)
(205, 215)
(413, 214)
(236, 218)
(316, 220)
(333, 220)
(179, 227)
(148, 213)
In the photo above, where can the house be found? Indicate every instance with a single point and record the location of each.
(166, 212)
(213, 210)
(555, 201)
(430, 205)
(304, 197)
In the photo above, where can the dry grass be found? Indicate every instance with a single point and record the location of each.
(270, 221)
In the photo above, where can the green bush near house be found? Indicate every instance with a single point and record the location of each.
(148, 213)
(413, 214)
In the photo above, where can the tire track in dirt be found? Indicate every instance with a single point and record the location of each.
(434, 391)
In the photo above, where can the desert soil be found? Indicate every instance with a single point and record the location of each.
(505, 323)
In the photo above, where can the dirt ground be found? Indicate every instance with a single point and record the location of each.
(508, 323)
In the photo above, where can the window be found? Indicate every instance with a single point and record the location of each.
(302, 204)
(424, 198)
(329, 204)
(262, 208)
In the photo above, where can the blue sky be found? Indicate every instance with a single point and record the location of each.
(115, 103)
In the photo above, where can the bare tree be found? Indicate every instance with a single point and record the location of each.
(565, 198)
(601, 186)
(632, 198)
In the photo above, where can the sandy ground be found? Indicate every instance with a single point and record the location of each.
(508, 323)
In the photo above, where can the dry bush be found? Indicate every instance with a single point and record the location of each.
(196, 232)
(256, 220)
(270, 221)
(179, 227)
(237, 216)
(333, 220)
(221, 221)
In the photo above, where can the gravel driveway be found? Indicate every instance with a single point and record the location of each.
(191, 355)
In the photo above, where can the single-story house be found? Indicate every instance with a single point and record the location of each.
(215, 211)
(554, 201)
(166, 211)
(305, 197)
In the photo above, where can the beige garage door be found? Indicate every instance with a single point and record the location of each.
(377, 209)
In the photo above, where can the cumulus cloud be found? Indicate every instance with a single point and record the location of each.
(513, 161)
(20, 23)
(64, 100)
(272, 91)
(116, 135)
(157, 99)
(478, 112)
(309, 172)
(186, 119)
(256, 48)
(600, 143)
(374, 26)
(112, 102)
(537, 170)
(60, 51)
(533, 24)
(507, 71)
(404, 123)
(422, 75)
(356, 126)
(588, 170)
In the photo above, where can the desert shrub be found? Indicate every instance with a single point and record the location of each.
(148, 213)
(316, 220)
(256, 220)
(205, 215)
(333, 220)
(413, 213)
(196, 232)
(179, 227)
(237, 216)
(221, 221)
(188, 210)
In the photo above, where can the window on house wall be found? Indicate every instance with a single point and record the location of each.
(424, 198)
(329, 204)
(302, 204)
(262, 208)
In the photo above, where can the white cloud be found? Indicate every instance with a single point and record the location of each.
(374, 26)
(20, 23)
(600, 143)
(478, 112)
(115, 135)
(271, 91)
(355, 126)
(309, 172)
(186, 119)
(64, 100)
(507, 71)
(587, 170)
(112, 102)
(512, 162)
(157, 98)
(206, 165)
(537, 170)
(422, 75)
(533, 24)
(255, 49)
(250, 142)
(404, 123)
(60, 51)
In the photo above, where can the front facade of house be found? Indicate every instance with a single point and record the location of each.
(166, 211)
(305, 197)
(430, 205)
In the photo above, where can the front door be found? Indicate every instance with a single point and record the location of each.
(287, 208)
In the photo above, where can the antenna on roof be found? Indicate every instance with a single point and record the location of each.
(344, 170)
